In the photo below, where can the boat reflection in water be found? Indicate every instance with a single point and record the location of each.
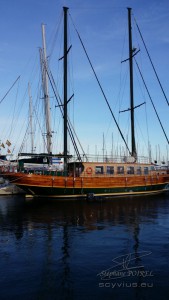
(61, 250)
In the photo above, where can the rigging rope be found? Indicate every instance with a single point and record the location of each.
(101, 87)
(152, 102)
(14, 113)
(60, 105)
(9, 89)
(151, 62)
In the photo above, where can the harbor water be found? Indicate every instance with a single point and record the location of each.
(113, 249)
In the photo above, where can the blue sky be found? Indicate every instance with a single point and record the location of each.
(103, 28)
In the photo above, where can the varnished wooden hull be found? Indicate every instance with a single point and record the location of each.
(79, 187)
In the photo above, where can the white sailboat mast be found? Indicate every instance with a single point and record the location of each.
(46, 93)
(30, 116)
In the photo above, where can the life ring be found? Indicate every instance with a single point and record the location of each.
(89, 170)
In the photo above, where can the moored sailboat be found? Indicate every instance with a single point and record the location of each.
(7, 188)
(79, 178)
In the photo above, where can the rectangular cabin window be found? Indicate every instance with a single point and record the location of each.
(130, 170)
(99, 170)
(145, 170)
(110, 170)
(138, 171)
(120, 170)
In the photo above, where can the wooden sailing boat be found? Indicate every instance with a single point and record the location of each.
(89, 179)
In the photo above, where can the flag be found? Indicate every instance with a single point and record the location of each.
(8, 143)
(2, 145)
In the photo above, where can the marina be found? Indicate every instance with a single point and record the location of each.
(80, 177)
(84, 150)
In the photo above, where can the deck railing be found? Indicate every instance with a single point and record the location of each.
(111, 159)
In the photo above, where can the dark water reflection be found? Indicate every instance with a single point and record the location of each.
(51, 250)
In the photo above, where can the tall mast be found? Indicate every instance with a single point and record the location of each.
(133, 144)
(30, 116)
(103, 146)
(65, 9)
(46, 93)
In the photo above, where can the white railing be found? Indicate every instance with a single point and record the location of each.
(110, 159)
